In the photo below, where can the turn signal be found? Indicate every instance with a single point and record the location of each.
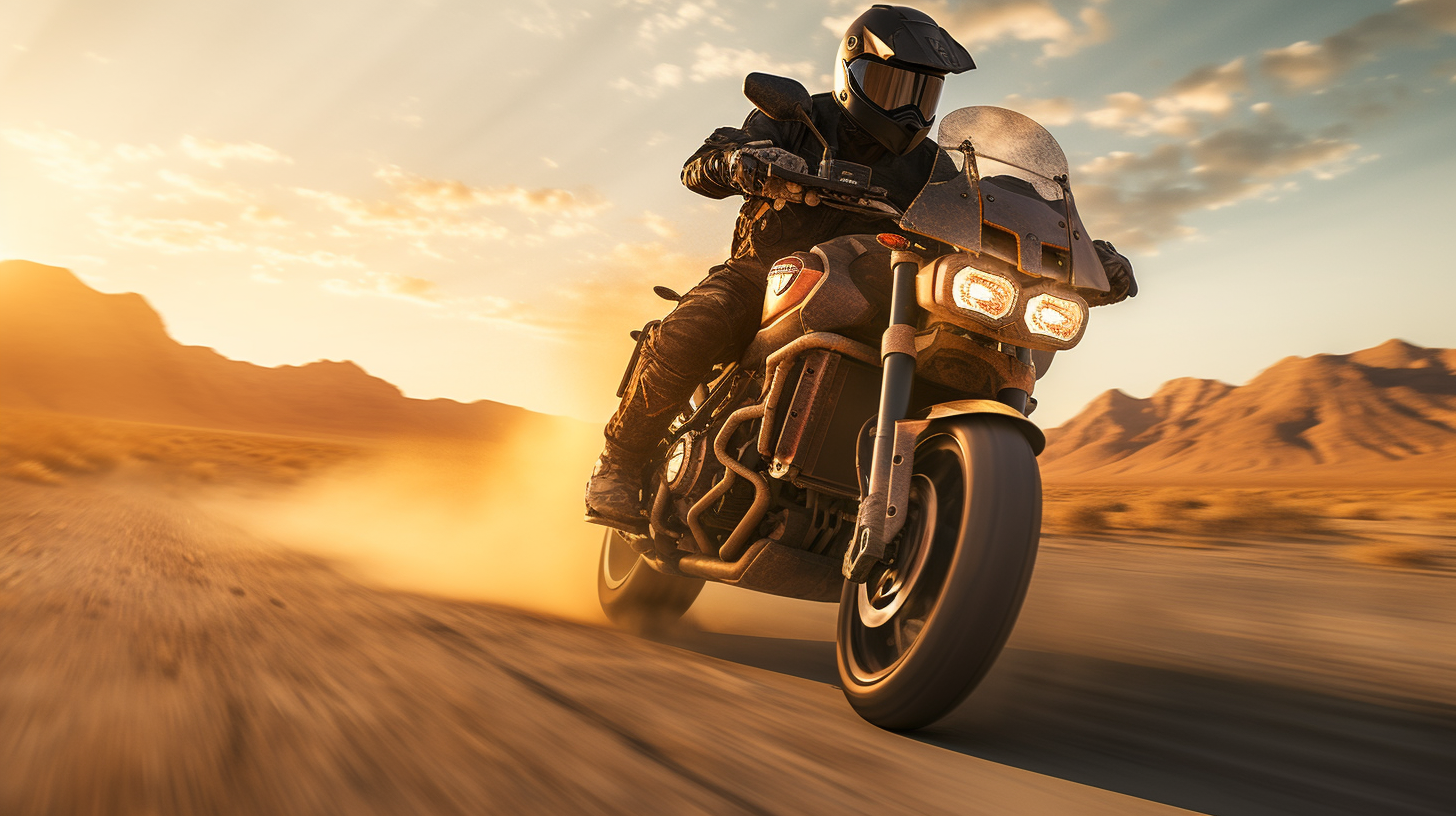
(983, 292)
(890, 240)
(1054, 317)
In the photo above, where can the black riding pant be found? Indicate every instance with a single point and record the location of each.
(713, 323)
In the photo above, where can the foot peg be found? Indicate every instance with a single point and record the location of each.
(636, 528)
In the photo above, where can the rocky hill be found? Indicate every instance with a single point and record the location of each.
(1385, 412)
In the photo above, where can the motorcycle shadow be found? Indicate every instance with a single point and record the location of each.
(1206, 743)
(809, 659)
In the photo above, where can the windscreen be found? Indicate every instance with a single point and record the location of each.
(1006, 144)
(955, 203)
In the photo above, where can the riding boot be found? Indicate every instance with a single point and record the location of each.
(614, 492)
(712, 323)
(655, 395)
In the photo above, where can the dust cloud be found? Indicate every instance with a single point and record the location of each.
(485, 520)
(497, 521)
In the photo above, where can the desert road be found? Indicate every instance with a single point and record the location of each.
(156, 660)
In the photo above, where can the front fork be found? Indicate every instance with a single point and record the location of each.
(881, 515)
(883, 508)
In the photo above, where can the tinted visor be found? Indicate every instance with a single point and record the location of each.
(892, 88)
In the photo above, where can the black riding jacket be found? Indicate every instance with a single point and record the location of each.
(763, 234)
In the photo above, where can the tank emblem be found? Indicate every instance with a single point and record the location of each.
(781, 275)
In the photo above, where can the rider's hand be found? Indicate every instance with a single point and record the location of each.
(749, 169)
(792, 162)
(1119, 275)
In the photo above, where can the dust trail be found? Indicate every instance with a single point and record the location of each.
(483, 520)
(494, 520)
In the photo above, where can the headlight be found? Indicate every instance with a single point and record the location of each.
(983, 292)
(1054, 317)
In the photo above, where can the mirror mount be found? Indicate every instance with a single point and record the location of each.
(785, 100)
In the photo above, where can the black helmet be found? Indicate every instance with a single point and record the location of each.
(892, 62)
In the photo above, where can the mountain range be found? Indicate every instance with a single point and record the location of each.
(1385, 414)
(67, 348)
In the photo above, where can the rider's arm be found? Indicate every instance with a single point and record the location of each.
(709, 171)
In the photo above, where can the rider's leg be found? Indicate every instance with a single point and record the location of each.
(713, 323)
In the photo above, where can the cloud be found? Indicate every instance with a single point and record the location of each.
(1445, 69)
(328, 260)
(449, 195)
(660, 78)
(216, 154)
(78, 163)
(658, 23)
(193, 187)
(1055, 112)
(1207, 91)
(420, 208)
(609, 294)
(388, 285)
(400, 219)
(1140, 200)
(542, 18)
(1410, 23)
(659, 226)
(170, 236)
(569, 229)
(715, 62)
(264, 217)
(984, 22)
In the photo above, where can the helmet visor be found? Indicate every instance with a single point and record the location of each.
(892, 88)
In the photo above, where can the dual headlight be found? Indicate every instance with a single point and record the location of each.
(995, 297)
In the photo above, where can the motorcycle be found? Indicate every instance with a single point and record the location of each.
(872, 447)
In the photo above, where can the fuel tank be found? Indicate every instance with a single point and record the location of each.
(842, 285)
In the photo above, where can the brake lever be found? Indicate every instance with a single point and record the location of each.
(862, 206)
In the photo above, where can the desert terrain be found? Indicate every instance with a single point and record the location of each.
(331, 599)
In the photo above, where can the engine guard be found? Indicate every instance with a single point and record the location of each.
(881, 511)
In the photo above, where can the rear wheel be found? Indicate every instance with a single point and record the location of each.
(915, 639)
(634, 595)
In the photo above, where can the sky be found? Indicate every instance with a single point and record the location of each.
(473, 199)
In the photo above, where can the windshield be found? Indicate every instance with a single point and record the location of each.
(1009, 204)
(1006, 144)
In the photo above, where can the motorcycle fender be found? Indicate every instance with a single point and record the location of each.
(1028, 429)
(889, 501)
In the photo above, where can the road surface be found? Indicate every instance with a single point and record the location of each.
(155, 659)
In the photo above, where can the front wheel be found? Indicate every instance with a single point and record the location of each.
(634, 595)
(915, 639)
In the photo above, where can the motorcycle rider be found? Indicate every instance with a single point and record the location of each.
(891, 65)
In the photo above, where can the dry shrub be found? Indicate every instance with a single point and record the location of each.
(32, 471)
(1087, 518)
(1358, 511)
(1396, 554)
(57, 446)
(1183, 511)
(1080, 516)
(1163, 510)
(1253, 513)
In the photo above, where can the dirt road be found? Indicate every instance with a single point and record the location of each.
(155, 660)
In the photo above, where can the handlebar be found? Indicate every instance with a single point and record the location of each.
(840, 195)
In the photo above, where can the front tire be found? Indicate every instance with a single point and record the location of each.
(634, 595)
(916, 639)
